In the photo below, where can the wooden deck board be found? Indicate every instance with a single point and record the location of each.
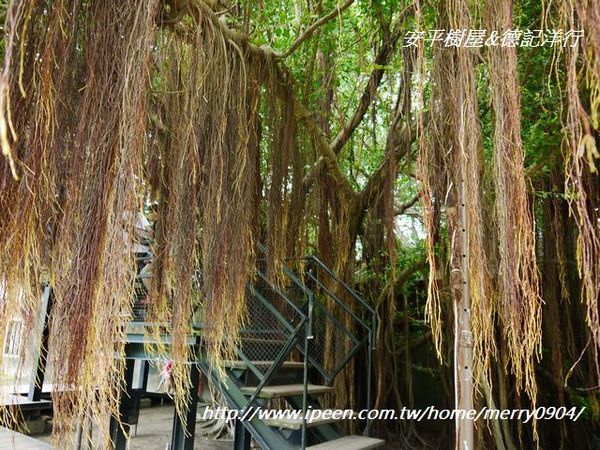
(11, 440)
(287, 390)
(349, 443)
(242, 364)
(296, 424)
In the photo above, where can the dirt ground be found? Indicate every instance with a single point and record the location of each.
(154, 431)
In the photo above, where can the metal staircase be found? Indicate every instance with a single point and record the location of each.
(299, 335)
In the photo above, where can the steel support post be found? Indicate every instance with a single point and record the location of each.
(242, 437)
(184, 431)
(39, 364)
(119, 429)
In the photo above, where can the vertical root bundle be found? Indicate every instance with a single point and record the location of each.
(583, 124)
(519, 290)
(94, 268)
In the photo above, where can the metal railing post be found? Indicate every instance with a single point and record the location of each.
(308, 335)
(370, 349)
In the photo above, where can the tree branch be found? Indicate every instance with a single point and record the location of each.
(405, 275)
(375, 184)
(311, 29)
(383, 57)
(201, 6)
(326, 154)
(399, 138)
(405, 206)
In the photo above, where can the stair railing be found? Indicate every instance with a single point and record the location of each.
(327, 288)
(283, 312)
(305, 314)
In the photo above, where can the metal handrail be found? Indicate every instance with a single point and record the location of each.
(338, 301)
(281, 293)
(371, 329)
(305, 322)
(307, 336)
(332, 274)
(301, 319)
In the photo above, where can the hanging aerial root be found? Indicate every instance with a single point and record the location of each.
(207, 191)
(582, 122)
(283, 152)
(453, 144)
(520, 300)
(29, 202)
(78, 145)
(7, 131)
(582, 154)
(425, 163)
(95, 268)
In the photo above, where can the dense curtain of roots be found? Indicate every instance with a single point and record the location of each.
(109, 106)
(466, 169)
(583, 123)
(282, 183)
(432, 176)
(209, 184)
(70, 211)
(173, 116)
(518, 279)
(454, 142)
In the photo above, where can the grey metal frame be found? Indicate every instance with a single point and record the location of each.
(297, 325)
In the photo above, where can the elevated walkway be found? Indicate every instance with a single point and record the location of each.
(299, 335)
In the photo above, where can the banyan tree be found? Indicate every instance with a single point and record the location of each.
(312, 127)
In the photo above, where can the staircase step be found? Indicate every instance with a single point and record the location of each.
(349, 443)
(262, 364)
(296, 424)
(287, 390)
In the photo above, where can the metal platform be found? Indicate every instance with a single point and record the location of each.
(23, 403)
